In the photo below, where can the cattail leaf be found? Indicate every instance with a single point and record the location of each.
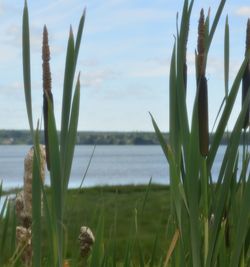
(224, 189)
(72, 134)
(4, 233)
(226, 57)
(36, 204)
(26, 64)
(56, 181)
(242, 227)
(225, 115)
(215, 22)
(67, 94)
(174, 177)
(79, 35)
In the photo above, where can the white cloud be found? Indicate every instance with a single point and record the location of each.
(243, 11)
(95, 78)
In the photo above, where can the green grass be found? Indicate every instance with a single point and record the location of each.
(120, 202)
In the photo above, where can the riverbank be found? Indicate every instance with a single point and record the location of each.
(125, 209)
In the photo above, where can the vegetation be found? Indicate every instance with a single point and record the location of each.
(16, 137)
(208, 223)
(22, 137)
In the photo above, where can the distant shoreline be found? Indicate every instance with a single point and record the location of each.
(23, 137)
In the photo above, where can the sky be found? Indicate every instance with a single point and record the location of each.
(123, 60)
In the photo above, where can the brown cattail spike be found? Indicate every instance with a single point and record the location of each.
(47, 95)
(202, 88)
(201, 44)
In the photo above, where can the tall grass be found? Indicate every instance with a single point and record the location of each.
(210, 220)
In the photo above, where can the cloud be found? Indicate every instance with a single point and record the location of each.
(95, 78)
(243, 11)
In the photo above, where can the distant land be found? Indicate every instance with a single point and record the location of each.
(21, 137)
(18, 137)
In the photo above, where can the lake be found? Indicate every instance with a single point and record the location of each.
(111, 165)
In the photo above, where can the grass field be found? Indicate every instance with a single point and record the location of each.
(120, 205)
(131, 214)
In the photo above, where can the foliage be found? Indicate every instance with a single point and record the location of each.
(209, 229)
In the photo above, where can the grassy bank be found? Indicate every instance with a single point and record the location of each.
(131, 213)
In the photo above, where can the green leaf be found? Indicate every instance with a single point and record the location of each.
(225, 115)
(97, 251)
(224, 189)
(67, 93)
(226, 57)
(36, 204)
(26, 64)
(72, 134)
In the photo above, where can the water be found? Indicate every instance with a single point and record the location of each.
(111, 165)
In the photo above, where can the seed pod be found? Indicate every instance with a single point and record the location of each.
(47, 95)
(86, 239)
(246, 77)
(28, 176)
(23, 243)
(202, 89)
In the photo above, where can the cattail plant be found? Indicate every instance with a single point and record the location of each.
(23, 243)
(86, 240)
(217, 230)
(24, 206)
(47, 94)
(202, 88)
(59, 157)
(246, 76)
(24, 198)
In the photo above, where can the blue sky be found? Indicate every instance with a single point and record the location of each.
(124, 59)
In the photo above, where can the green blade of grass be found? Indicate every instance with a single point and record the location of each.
(226, 57)
(26, 65)
(97, 251)
(87, 168)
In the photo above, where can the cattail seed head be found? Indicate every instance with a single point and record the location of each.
(86, 239)
(202, 88)
(47, 95)
(23, 243)
(46, 58)
(201, 44)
